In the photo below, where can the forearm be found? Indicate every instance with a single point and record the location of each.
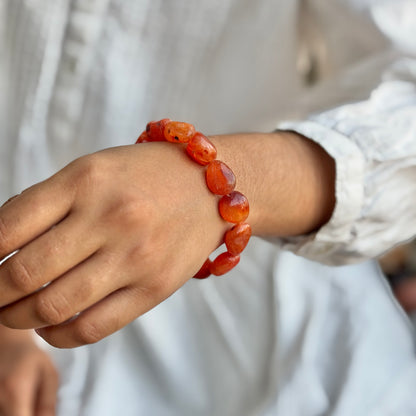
(288, 179)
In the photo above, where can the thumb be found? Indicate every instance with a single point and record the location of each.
(47, 392)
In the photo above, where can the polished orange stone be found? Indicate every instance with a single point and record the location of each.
(234, 207)
(237, 238)
(220, 178)
(155, 130)
(200, 149)
(143, 138)
(224, 263)
(179, 132)
(204, 271)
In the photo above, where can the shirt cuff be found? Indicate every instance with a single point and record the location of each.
(330, 243)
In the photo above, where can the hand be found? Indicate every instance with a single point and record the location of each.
(405, 292)
(115, 233)
(28, 379)
(103, 241)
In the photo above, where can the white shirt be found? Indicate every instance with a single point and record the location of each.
(281, 334)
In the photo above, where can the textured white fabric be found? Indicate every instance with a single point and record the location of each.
(372, 137)
(376, 174)
(281, 335)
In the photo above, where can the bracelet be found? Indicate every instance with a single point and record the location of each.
(233, 206)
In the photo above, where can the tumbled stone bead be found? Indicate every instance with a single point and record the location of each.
(237, 238)
(143, 138)
(155, 130)
(224, 263)
(234, 207)
(204, 271)
(179, 132)
(200, 149)
(220, 178)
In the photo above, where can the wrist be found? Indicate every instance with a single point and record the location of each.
(233, 206)
(288, 179)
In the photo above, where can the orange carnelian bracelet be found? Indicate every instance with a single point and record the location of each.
(233, 205)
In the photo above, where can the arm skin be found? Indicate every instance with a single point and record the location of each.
(108, 223)
(282, 173)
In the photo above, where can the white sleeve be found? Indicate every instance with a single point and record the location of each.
(373, 141)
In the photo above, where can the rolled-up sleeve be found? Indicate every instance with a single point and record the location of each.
(373, 142)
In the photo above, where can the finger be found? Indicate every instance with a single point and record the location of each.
(75, 291)
(32, 213)
(101, 320)
(46, 258)
(18, 391)
(47, 393)
(405, 292)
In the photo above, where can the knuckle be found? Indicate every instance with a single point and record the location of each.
(156, 287)
(20, 276)
(152, 290)
(54, 245)
(87, 333)
(127, 214)
(89, 170)
(91, 286)
(51, 311)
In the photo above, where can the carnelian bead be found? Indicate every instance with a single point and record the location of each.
(179, 132)
(237, 238)
(143, 138)
(220, 178)
(155, 130)
(204, 271)
(164, 122)
(200, 149)
(234, 207)
(224, 263)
